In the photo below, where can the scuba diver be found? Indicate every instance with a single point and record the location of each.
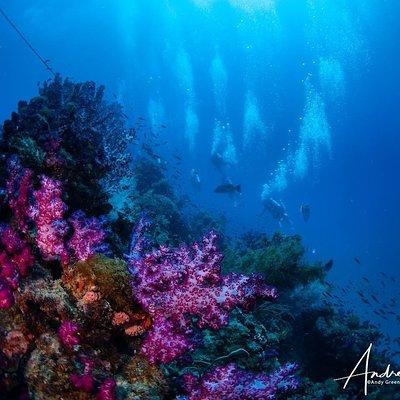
(195, 179)
(277, 210)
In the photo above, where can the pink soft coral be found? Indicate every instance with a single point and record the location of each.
(87, 238)
(15, 261)
(68, 334)
(48, 215)
(107, 390)
(176, 285)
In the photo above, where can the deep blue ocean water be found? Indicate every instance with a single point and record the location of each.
(300, 98)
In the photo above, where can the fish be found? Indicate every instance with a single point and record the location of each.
(375, 298)
(305, 211)
(228, 188)
(365, 279)
(357, 260)
(150, 151)
(328, 266)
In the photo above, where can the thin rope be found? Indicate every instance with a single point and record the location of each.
(26, 41)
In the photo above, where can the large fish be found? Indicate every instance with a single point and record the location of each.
(228, 188)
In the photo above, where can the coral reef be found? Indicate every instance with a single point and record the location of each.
(85, 317)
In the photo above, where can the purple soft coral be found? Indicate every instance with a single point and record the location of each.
(175, 285)
(87, 238)
(46, 209)
(6, 295)
(48, 215)
(107, 390)
(19, 187)
(68, 333)
(15, 261)
(229, 382)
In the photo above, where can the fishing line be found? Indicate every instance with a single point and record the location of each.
(27, 42)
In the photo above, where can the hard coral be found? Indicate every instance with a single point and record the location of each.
(229, 382)
(176, 285)
(48, 371)
(100, 277)
(71, 134)
(142, 380)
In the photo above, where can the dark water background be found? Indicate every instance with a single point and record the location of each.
(189, 63)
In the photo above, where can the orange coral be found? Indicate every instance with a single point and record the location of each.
(120, 318)
(91, 297)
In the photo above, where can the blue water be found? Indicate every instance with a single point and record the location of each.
(301, 95)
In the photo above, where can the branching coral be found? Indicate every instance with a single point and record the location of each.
(176, 285)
